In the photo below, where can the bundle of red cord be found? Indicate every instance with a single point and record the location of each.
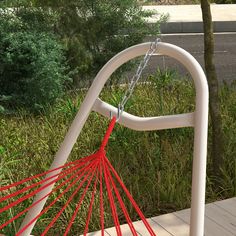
(91, 172)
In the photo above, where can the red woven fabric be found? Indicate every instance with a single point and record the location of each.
(93, 175)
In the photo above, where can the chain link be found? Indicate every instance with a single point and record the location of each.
(137, 76)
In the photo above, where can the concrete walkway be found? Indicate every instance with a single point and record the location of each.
(188, 18)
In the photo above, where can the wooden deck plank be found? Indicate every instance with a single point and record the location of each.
(125, 230)
(220, 220)
(211, 228)
(96, 233)
(221, 217)
(140, 229)
(228, 205)
(173, 224)
(159, 230)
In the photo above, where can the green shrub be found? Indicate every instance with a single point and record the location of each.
(94, 31)
(32, 69)
(225, 1)
(36, 19)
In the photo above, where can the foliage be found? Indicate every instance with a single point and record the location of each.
(225, 1)
(160, 161)
(168, 2)
(93, 31)
(36, 19)
(26, 17)
(32, 69)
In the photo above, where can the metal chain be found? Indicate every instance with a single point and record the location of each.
(137, 76)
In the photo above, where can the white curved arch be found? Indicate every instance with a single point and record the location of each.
(198, 119)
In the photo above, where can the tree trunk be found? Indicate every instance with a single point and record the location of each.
(217, 132)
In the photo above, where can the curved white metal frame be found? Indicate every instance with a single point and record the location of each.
(198, 119)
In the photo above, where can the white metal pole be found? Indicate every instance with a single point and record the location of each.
(200, 123)
(146, 123)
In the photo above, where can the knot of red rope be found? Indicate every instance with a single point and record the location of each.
(108, 133)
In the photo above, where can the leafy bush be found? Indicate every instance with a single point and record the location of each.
(37, 19)
(32, 70)
(94, 31)
(225, 1)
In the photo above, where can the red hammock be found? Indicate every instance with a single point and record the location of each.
(94, 172)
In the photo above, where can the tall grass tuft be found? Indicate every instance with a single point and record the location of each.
(160, 161)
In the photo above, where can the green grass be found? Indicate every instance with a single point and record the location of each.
(160, 161)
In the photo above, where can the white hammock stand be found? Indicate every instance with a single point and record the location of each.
(198, 120)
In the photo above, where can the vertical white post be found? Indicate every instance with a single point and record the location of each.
(199, 164)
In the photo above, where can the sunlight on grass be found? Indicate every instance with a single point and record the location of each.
(160, 161)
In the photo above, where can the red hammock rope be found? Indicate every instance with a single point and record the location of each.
(91, 172)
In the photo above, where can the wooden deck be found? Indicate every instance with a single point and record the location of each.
(220, 220)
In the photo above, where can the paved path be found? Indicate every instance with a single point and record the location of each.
(224, 57)
(188, 18)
